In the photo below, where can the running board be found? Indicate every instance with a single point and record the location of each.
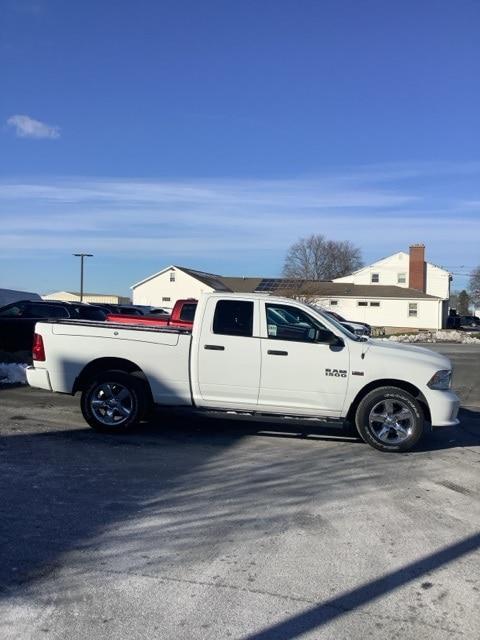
(326, 421)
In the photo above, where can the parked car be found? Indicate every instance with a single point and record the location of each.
(125, 309)
(358, 328)
(7, 296)
(158, 311)
(18, 319)
(241, 357)
(453, 320)
(182, 316)
(469, 322)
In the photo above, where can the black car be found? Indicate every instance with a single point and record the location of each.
(18, 319)
(124, 309)
(469, 321)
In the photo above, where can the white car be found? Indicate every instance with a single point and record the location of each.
(250, 354)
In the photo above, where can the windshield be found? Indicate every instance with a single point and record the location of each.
(336, 324)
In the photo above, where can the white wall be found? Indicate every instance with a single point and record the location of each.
(438, 280)
(71, 297)
(155, 291)
(61, 295)
(390, 313)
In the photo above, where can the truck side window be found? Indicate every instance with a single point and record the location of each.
(187, 313)
(289, 323)
(233, 318)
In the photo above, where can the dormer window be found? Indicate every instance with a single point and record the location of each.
(172, 276)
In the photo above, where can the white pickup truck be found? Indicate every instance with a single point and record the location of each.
(248, 354)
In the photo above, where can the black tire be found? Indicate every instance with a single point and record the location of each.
(128, 401)
(390, 419)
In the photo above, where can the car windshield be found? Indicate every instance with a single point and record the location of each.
(329, 317)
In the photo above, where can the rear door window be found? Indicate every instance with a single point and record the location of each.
(233, 318)
(187, 313)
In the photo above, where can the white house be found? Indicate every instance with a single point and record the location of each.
(173, 283)
(379, 305)
(383, 305)
(405, 270)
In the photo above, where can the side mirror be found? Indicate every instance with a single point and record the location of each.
(336, 341)
(327, 337)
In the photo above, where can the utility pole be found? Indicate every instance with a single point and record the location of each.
(82, 256)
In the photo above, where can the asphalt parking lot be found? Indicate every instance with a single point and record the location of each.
(193, 529)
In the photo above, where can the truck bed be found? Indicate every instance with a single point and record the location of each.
(131, 326)
(161, 353)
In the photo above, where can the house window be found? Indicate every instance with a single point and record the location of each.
(412, 310)
(401, 278)
(166, 299)
(375, 278)
(172, 276)
(374, 304)
(334, 303)
(362, 303)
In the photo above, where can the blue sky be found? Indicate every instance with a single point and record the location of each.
(214, 134)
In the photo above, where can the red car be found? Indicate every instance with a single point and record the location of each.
(181, 317)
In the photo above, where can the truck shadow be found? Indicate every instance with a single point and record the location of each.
(466, 434)
(176, 425)
(69, 497)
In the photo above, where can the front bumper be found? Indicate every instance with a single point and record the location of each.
(38, 378)
(444, 406)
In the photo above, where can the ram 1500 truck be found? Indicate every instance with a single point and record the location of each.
(249, 354)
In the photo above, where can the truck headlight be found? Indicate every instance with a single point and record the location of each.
(441, 380)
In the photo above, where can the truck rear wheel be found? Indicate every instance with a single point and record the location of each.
(114, 401)
(390, 419)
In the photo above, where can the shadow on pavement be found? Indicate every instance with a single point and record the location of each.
(63, 489)
(323, 613)
(466, 434)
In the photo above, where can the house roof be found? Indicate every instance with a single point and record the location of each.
(242, 284)
(281, 286)
(210, 279)
(326, 288)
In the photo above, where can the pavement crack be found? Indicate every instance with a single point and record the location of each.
(287, 597)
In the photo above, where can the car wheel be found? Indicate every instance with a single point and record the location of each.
(390, 419)
(114, 401)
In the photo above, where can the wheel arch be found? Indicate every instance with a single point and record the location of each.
(389, 382)
(108, 364)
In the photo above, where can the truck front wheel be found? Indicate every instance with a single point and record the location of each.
(114, 401)
(390, 419)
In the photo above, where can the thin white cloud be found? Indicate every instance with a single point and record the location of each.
(247, 223)
(26, 127)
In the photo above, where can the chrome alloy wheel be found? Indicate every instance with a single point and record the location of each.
(391, 421)
(111, 403)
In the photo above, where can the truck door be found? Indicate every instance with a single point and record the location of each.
(300, 370)
(228, 354)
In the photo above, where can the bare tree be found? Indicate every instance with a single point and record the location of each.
(463, 303)
(316, 258)
(475, 286)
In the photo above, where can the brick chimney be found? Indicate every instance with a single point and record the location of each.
(418, 269)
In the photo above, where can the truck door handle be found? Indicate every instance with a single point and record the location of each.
(272, 352)
(214, 347)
